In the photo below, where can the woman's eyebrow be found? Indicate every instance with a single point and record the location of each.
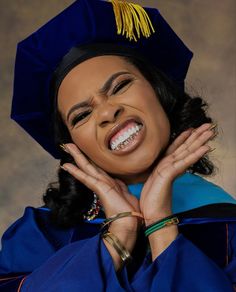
(107, 85)
(84, 103)
(105, 88)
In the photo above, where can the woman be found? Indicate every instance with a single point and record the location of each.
(130, 140)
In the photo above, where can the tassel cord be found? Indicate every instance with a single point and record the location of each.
(132, 20)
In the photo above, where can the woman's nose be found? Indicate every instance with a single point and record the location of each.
(108, 113)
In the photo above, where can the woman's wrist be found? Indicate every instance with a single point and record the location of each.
(125, 230)
(159, 215)
(161, 239)
(164, 232)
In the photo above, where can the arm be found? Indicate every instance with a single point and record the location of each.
(48, 258)
(230, 269)
(177, 263)
(182, 267)
(114, 197)
(156, 197)
(12, 283)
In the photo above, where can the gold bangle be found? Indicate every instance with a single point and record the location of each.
(121, 215)
(120, 249)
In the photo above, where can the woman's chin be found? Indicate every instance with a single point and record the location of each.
(134, 174)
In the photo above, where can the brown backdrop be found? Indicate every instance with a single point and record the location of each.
(207, 27)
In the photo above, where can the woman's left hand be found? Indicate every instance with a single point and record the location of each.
(187, 149)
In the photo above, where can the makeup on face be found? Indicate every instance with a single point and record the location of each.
(114, 115)
(114, 85)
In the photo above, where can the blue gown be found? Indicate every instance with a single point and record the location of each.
(37, 256)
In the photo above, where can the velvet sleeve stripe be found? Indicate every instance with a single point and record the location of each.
(8, 284)
(21, 283)
(9, 278)
(227, 244)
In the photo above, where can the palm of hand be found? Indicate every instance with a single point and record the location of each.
(113, 193)
(155, 199)
(187, 149)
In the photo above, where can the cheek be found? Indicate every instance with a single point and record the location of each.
(157, 122)
(84, 139)
(155, 115)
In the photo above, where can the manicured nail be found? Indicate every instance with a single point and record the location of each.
(62, 167)
(211, 150)
(64, 148)
(213, 126)
(213, 137)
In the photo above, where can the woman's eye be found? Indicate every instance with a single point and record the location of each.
(121, 85)
(80, 117)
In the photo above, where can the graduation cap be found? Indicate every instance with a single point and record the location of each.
(118, 26)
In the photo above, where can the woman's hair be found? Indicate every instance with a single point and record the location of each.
(69, 199)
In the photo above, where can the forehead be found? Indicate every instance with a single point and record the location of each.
(90, 75)
(97, 67)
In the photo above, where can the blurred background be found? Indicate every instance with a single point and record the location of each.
(206, 26)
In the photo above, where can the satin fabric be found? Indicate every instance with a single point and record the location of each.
(191, 191)
(201, 258)
(77, 260)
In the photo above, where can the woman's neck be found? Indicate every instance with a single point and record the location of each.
(135, 178)
(140, 177)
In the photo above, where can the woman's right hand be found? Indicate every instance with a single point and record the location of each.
(113, 193)
(114, 197)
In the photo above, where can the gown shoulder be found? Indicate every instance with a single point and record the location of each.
(33, 240)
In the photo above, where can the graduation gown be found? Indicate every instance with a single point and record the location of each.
(37, 256)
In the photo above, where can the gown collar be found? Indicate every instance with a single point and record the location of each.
(190, 191)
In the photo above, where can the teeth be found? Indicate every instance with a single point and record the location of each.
(125, 139)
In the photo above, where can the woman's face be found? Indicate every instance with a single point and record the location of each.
(114, 116)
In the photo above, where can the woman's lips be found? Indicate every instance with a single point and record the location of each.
(129, 126)
(129, 144)
(119, 127)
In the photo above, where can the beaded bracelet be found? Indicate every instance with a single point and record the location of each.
(114, 241)
(168, 221)
(121, 215)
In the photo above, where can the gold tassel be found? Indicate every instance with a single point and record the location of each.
(132, 20)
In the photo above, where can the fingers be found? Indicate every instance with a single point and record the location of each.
(112, 195)
(92, 182)
(85, 171)
(89, 174)
(179, 141)
(182, 164)
(179, 166)
(80, 175)
(194, 147)
(201, 140)
(198, 137)
(80, 159)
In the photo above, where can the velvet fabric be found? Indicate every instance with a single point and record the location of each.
(202, 258)
(84, 22)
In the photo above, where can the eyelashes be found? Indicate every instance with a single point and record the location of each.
(80, 117)
(117, 88)
(120, 85)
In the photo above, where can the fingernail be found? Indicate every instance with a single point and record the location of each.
(211, 150)
(62, 167)
(213, 137)
(213, 126)
(64, 148)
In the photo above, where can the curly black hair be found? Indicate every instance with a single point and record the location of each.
(69, 199)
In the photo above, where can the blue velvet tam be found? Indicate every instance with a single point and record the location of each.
(58, 45)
